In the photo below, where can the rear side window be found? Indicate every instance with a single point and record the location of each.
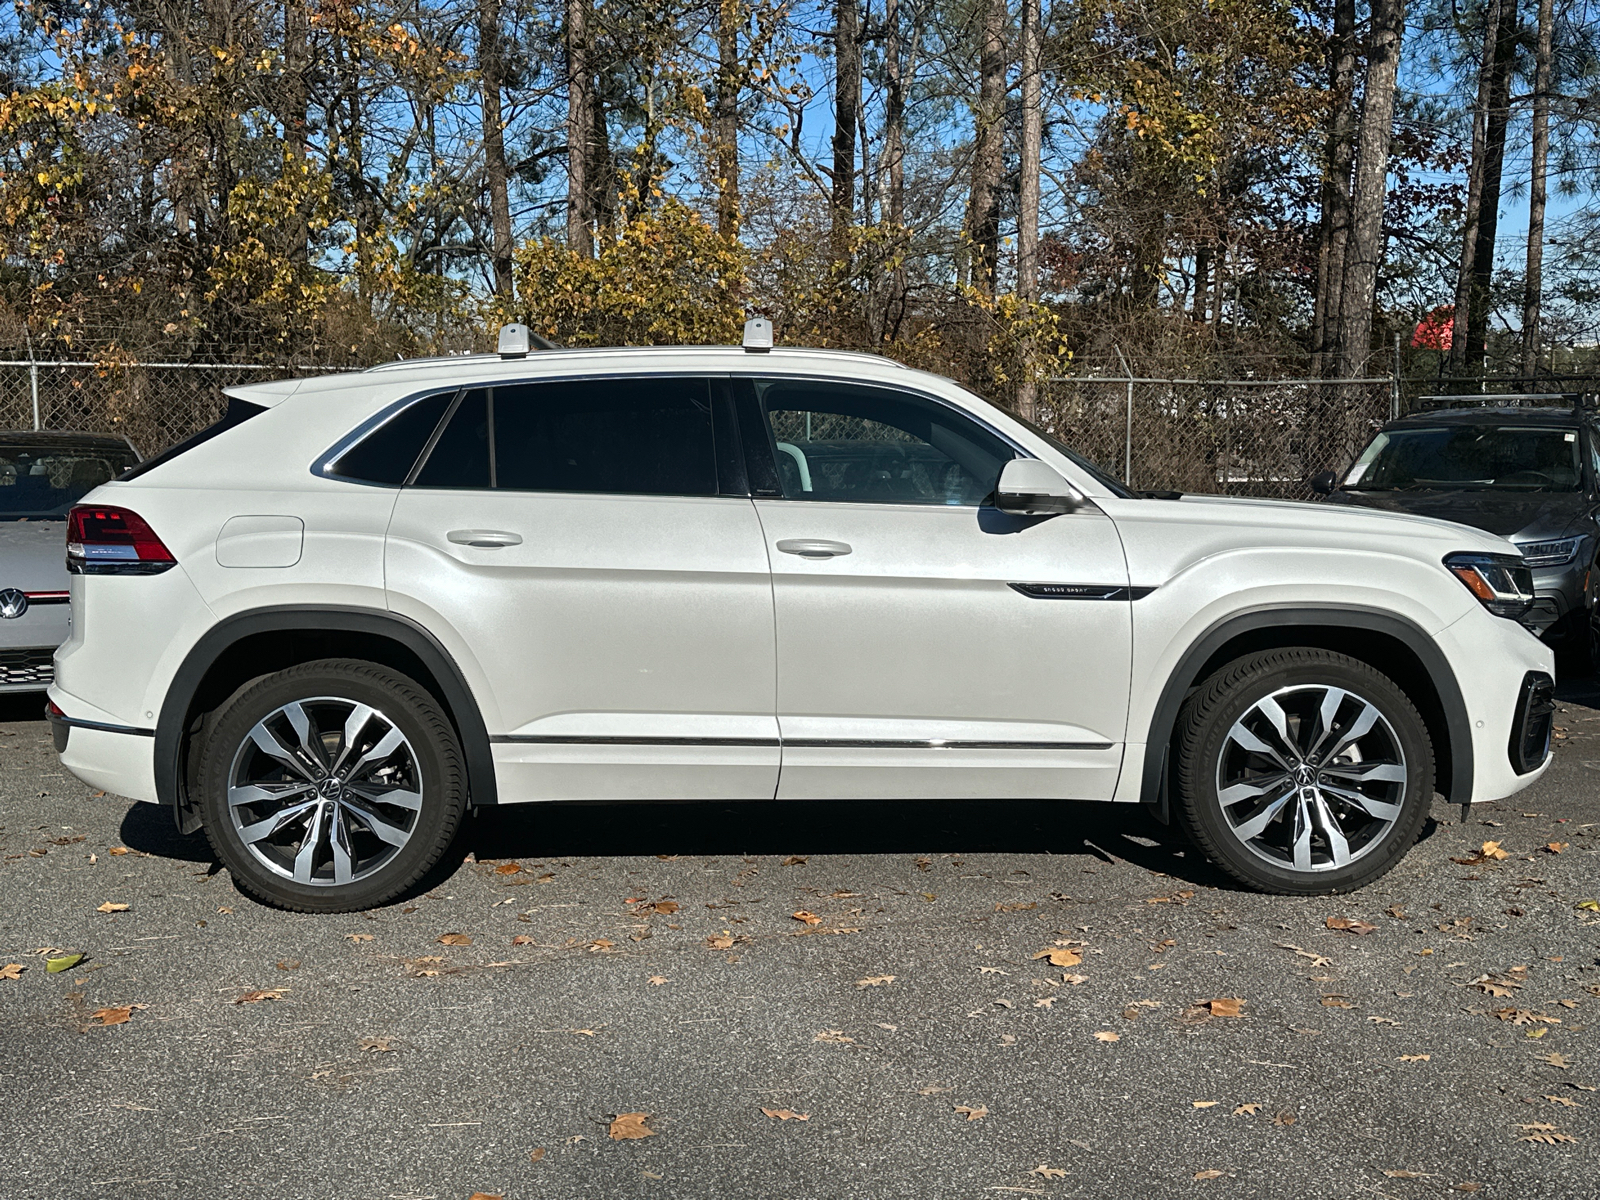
(387, 454)
(636, 436)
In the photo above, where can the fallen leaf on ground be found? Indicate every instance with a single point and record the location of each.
(119, 850)
(1332, 1001)
(109, 907)
(1468, 1186)
(1105, 1035)
(1074, 980)
(835, 1036)
(657, 980)
(1383, 1020)
(1588, 905)
(56, 965)
(1492, 850)
(1204, 1103)
(973, 1114)
(1350, 925)
(1317, 960)
(991, 971)
(259, 995)
(795, 860)
(1047, 1001)
(660, 908)
(1521, 1016)
(12, 971)
(601, 945)
(625, 1126)
(508, 868)
(1555, 847)
(1227, 1006)
(1556, 1060)
(1060, 956)
(1208, 1174)
(381, 1045)
(486, 1196)
(358, 937)
(785, 1114)
(1415, 1057)
(722, 941)
(875, 981)
(1284, 1118)
(1547, 1135)
(119, 1015)
(522, 939)
(536, 1155)
(1563, 1101)
(454, 939)
(1045, 1172)
(1247, 1110)
(1405, 1174)
(810, 918)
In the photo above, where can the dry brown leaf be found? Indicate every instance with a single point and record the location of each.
(1405, 1174)
(454, 939)
(835, 1036)
(1105, 1035)
(1521, 1016)
(810, 918)
(1208, 1174)
(973, 1114)
(119, 1015)
(522, 939)
(1564, 1101)
(1415, 1057)
(785, 1114)
(1350, 925)
(109, 907)
(1045, 1172)
(722, 941)
(1556, 1060)
(486, 1196)
(1227, 1006)
(626, 1126)
(12, 971)
(508, 868)
(118, 850)
(259, 995)
(358, 937)
(1547, 1135)
(1074, 980)
(1247, 1110)
(657, 980)
(1555, 847)
(379, 1045)
(1204, 1103)
(601, 945)
(1047, 1001)
(795, 860)
(1284, 1118)
(1492, 850)
(875, 981)
(1060, 956)
(1331, 1001)
(536, 1155)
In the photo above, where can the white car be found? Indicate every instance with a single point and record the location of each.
(363, 603)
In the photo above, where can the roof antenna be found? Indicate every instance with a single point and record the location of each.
(517, 340)
(757, 335)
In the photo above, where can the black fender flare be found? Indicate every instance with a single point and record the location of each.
(171, 725)
(1153, 789)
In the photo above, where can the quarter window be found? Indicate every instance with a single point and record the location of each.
(387, 454)
(847, 442)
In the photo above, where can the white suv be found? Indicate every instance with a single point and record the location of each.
(363, 603)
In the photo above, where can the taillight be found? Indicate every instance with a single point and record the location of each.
(113, 541)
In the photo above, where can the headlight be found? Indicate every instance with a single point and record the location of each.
(1502, 582)
(1554, 553)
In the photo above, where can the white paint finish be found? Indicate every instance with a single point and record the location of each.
(260, 541)
(614, 616)
(526, 772)
(917, 627)
(120, 763)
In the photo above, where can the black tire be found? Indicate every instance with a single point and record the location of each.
(427, 763)
(1298, 676)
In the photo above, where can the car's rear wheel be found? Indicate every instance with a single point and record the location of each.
(1303, 771)
(331, 787)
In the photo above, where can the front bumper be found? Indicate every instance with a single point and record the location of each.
(28, 645)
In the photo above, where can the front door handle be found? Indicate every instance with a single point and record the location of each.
(484, 539)
(813, 547)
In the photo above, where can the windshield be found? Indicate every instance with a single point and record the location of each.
(45, 479)
(1539, 458)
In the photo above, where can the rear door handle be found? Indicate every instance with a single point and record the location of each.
(813, 547)
(484, 539)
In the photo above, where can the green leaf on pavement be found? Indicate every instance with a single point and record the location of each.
(65, 963)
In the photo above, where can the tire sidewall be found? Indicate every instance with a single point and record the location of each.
(1202, 746)
(401, 701)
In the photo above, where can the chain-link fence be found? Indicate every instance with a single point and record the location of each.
(1247, 437)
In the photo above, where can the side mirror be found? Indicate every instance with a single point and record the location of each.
(1033, 488)
(1323, 483)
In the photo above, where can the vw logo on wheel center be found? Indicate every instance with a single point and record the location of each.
(13, 604)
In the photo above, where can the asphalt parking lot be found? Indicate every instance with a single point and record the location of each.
(804, 1000)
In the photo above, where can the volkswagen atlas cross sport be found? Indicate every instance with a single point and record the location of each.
(361, 604)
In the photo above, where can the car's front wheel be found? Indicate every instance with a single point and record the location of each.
(331, 787)
(1303, 771)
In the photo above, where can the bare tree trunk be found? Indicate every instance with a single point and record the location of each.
(491, 73)
(846, 118)
(894, 117)
(1028, 198)
(727, 118)
(1365, 249)
(1494, 154)
(1469, 225)
(988, 146)
(1334, 232)
(580, 129)
(1533, 285)
(296, 98)
(1202, 281)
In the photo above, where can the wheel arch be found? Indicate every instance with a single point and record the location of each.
(1391, 644)
(248, 645)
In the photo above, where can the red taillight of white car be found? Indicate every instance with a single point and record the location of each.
(113, 541)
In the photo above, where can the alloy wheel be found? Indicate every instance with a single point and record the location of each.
(1311, 778)
(325, 791)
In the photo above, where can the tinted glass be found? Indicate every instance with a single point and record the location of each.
(1527, 458)
(387, 454)
(460, 458)
(874, 445)
(41, 478)
(650, 436)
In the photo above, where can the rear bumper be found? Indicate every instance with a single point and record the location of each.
(103, 753)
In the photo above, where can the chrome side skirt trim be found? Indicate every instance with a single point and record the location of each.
(811, 743)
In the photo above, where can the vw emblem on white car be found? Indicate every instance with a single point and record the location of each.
(12, 604)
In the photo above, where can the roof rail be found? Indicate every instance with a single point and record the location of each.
(1572, 400)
